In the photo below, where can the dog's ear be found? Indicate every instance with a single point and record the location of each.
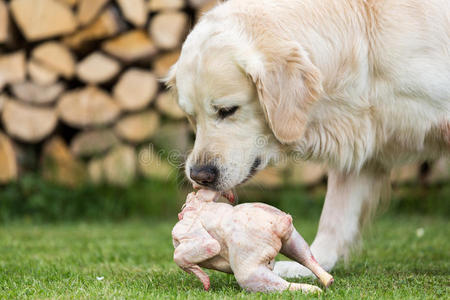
(288, 84)
(170, 82)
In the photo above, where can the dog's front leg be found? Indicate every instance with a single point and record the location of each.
(350, 200)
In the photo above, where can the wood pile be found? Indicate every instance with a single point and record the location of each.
(79, 85)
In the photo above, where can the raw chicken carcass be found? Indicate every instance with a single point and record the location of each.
(242, 240)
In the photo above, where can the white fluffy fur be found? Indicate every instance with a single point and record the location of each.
(359, 85)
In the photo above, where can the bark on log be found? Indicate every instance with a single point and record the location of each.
(89, 9)
(167, 104)
(107, 25)
(137, 128)
(97, 68)
(164, 5)
(41, 74)
(3, 98)
(40, 19)
(119, 166)
(8, 160)
(130, 46)
(204, 7)
(168, 29)
(4, 22)
(152, 165)
(134, 11)
(59, 165)
(37, 94)
(56, 57)
(87, 107)
(71, 3)
(199, 3)
(164, 62)
(28, 123)
(12, 68)
(93, 142)
(135, 89)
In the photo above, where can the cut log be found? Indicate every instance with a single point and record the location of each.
(28, 123)
(37, 94)
(137, 128)
(41, 74)
(95, 171)
(130, 46)
(87, 107)
(203, 7)
(60, 166)
(12, 68)
(107, 25)
(8, 160)
(406, 173)
(152, 165)
(69, 2)
(94, 142)
(134, 11)
(56, 57)
(135, 89)
(97, 68)
(40, 19)
(89, 9)
(167, 104)
(3, 98)
(119, 166)
(4, 22)
(440, 171)
(174, 137)
(306, 173)
(162, 63)
(163, 5)
(168, 29)
(199, 3)
(271, 177)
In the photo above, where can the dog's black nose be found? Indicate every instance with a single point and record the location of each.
(205, 175)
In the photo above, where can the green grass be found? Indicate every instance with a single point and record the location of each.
(55, 242)
(135, 260)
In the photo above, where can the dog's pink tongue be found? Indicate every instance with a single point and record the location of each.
(230, 196)
(208, 195)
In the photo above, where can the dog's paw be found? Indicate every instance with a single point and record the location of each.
(291, 269)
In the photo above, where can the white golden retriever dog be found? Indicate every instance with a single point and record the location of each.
(359, 85)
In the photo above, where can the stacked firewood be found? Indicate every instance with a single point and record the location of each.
(79, 80)
(79, 86)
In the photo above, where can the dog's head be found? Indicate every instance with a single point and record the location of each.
(245, 98)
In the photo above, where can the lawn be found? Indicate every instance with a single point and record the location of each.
(133, 259)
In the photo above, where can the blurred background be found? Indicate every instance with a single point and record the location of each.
(88, 131)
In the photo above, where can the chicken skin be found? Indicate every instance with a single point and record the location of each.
(242, 240)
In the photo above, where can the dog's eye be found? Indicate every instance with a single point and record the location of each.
(224, 112)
